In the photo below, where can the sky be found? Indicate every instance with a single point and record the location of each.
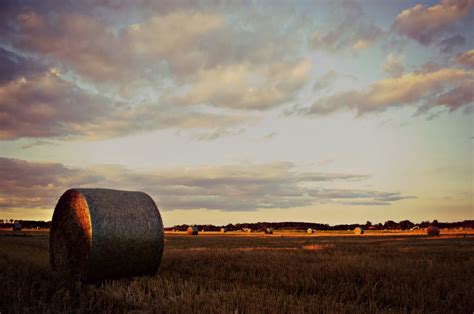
(241, 111)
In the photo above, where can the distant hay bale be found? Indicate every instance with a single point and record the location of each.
(223, 230)
(98, 234)
(310, 231)
(192, 230)
(17, 226)
(432, 231)
(359, 230)
(268, 230)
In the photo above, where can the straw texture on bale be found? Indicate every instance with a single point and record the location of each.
(310, 231)
(359, 230)
(223, 230)
(99, 234)
(432, 231)
(192, 231)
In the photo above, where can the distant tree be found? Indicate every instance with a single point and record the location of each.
(406, 224)
(368, 224)
(424, 224)
(435, 222)
(390, 225)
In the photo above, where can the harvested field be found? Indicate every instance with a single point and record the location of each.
(235, 272)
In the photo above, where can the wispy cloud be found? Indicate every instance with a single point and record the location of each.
(466, 58)
(240, 187)
(348, 28)
(394, 65)
(408, 89)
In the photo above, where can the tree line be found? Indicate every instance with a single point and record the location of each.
(388, 225)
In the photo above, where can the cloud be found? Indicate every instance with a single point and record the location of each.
(240, 187)
(347, 28)
(448, 44)
(45, 105)
(37, 184)
(122, 70)
(13, 66)
(270, 136)
(164, 44)
(244, 86)
(108, 69)
(466, 59)
(325, 80)
(82, 43)
(215, 134)
(394, 65)
(408, 89)
(329, 79)
(424, 24)
(98, 51)
(460, 96)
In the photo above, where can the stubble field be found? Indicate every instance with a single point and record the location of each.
(281, 273)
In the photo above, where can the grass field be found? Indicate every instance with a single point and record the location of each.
(282, 273)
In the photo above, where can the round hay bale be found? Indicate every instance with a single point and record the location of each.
(223, 230)
(99, 234)
(192, 230)
(268, 230)
(359, 230)
(310, 231)
(17, 226)
(432, 231)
